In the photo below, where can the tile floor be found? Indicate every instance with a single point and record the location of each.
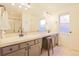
(57, 52)
(61, 51)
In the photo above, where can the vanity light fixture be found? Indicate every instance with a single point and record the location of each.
(22, 5)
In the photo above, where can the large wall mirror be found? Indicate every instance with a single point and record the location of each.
(9, 23)
(15, 24)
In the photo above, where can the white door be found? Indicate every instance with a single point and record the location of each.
(69, 41)
(64, 29)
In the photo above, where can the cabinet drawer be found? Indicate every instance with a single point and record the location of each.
(38, 41)
(23, 45)
(10, 49)
(26, 44)
(21, 52)
(31, 43)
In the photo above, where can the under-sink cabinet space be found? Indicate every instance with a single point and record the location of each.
(55, 40)
(35, 50)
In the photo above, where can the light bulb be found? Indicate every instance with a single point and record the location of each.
(26, 8)
(13, 4)
(22, 3)
(20, 6)
(28, 5)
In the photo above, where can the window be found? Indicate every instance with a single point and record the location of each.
(64, 21)
(42, 25)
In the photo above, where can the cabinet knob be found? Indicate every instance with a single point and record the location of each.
(27, 43)
(10, 49)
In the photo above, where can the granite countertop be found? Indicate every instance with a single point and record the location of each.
(16, 39)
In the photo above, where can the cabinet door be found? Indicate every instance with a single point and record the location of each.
(35, 50)
(21, 52)
(0, 52)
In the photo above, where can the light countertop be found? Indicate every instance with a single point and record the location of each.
(16, 39)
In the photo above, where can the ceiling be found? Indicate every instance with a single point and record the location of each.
(37, 9)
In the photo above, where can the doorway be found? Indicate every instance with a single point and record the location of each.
(64, 29)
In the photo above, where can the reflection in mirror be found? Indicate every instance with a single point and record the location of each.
(4, 23)
(10, 21)
(15, 24)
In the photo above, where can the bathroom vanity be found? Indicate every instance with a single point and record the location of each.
(28, 45)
